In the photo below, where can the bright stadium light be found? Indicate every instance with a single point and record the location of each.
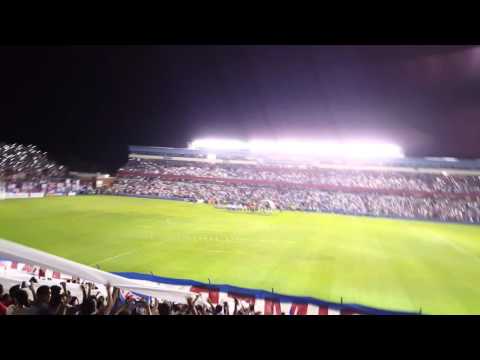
(218, 144)
(328, 149)
(211, 157)
(371, 150)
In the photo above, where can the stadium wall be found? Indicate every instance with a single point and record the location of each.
(25, 195)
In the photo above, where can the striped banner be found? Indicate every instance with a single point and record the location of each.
(263, 302)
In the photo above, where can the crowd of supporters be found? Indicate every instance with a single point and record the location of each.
(27, 161)
(368, 193)
(373, 180)
(30, 298)
(26, 169)
(436, 196)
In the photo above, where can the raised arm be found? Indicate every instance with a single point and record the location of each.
(191, 306)
(196, 299)
(122, 308)
(65, 292)
(147, 305)
(235, 310)
(226, 308)
(154, 307)
(84, 293)
(211, 306)
(62, 308)
(89, 286)
(111, 299)
(34, 294)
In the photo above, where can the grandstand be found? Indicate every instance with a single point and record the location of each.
(431, 189)
(28, 172)
(295, 261)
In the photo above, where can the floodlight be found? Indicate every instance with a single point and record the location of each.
(218, 144)
(329, 149)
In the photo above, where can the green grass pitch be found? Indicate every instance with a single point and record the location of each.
(390, 264)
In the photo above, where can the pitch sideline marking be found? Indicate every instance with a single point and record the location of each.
(111, 258)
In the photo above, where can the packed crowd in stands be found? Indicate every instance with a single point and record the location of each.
(434, 196)
(31, 299)
(373, 180)
(27, 161)
(26, 169)
(203, 182)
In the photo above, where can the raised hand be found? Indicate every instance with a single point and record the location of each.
(196, 298)
(89, 289)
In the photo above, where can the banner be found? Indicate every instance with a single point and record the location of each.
(266, 302)
(23, 254)
(263, 302)
(48, 268)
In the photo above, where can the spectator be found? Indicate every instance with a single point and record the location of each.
(51, 301)
(41, 302)
(3, 308)
(374, 193)
(21, 303)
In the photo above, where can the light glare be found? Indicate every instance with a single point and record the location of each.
(331, 149)
(218, 144)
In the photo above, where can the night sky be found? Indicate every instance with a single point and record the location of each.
(85, 105)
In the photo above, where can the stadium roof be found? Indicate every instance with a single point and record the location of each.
(428, 162)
